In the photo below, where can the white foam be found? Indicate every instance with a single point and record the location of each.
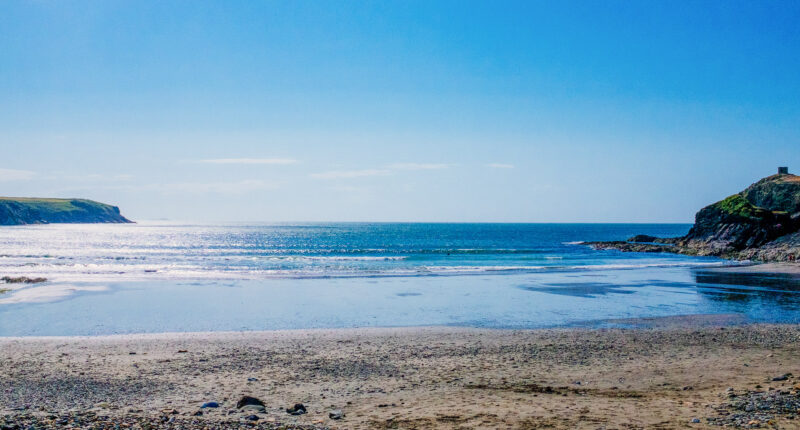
(46, 293)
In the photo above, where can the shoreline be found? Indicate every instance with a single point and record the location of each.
(685, 321)
(410, 377)
(791, 269)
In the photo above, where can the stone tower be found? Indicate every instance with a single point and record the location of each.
(783, 170)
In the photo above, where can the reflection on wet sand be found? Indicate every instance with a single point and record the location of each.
(775, 289)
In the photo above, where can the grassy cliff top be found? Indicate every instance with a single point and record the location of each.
(787, 177)
(775, 193)
(739, 206)
(45, 200)
(31, 210)
(56, 204)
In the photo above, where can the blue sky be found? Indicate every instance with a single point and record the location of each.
(398, 111)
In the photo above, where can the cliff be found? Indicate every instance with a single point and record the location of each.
(760, 223)
(16, 211)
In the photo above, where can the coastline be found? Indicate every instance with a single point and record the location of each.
(422, 378)
(791, 269)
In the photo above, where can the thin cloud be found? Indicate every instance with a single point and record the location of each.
(232, 188)
(500, 166)
(239, 187)
(387, 170)
(418, 166)
(16, 175)
(248, 161)
(340, 174)
(90, 177)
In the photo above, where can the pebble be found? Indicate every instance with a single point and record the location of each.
(753, 408)
(783, 377)
(210, 405)
(336, 414)
(89, 420)
(247, 400)
(298, 409)
(254, 408)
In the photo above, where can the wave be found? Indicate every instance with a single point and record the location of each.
(156, 272)
(368, 253)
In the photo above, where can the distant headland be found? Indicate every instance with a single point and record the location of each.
(24, 210)
(761, 223)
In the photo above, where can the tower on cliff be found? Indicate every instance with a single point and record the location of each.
(783, 170)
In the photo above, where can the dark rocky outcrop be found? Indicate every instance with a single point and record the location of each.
(22, 280)
(18, 211)
(759, 223)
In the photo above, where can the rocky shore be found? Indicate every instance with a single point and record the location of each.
(761, 223)
(677, 376)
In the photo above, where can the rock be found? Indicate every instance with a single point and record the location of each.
(643, 238)
(695, 420)
(783, 377)
(247, 401)
(775, 193)
(252, 418)
(210, 405)
(252, 379)
(760, 223)
(336, 414)
(198, 413)
(298, 409)
(22, 280)
(254, 408)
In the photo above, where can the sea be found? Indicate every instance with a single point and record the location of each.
(170, 277)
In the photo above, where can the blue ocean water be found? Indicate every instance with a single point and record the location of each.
(158, 251)
(106, 279)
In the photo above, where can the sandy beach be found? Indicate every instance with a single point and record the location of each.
(673, 376)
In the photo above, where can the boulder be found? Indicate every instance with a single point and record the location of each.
(249, 401)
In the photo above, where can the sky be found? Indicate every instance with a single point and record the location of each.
(442, 111)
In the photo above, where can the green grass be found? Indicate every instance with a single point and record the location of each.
(739, 206)
(52, 204)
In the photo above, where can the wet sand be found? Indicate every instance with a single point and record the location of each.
(409, 378)
(789, 269)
